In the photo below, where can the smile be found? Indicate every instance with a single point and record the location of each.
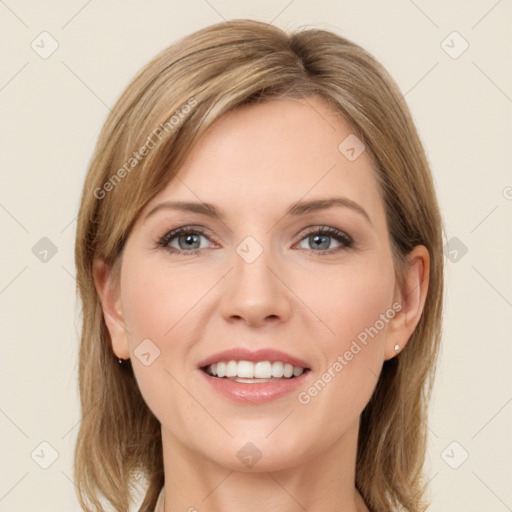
(254, 372)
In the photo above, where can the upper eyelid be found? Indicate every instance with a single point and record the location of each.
(204, 230)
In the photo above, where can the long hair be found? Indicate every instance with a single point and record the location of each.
(165, 109)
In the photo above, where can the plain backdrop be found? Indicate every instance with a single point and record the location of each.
(452, 62)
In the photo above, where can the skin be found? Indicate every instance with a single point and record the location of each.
(294, 297)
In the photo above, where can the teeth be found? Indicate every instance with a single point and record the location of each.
(250, 370)
(277, 369)
(297, 371)
(245, 370)
(263, 370)
(231, 369)
(221, 369)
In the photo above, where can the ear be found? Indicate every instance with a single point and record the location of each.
(109, 291)
(411, 298)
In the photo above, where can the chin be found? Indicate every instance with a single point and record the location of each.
(259, 454)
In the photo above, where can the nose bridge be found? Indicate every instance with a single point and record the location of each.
(255, 293)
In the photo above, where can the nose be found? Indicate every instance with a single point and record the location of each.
(254, 294)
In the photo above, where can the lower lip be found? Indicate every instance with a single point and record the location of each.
(257, 392)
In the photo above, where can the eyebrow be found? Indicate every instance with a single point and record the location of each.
(296, 209)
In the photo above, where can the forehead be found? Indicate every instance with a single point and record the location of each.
(273, 154)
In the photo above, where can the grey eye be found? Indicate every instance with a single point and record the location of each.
(319, 241)
(189, 241)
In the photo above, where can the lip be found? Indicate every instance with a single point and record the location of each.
(258, 392)
(255, 393)
(243, 354)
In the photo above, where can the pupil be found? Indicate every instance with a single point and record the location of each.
(318, 238)
(189, 239)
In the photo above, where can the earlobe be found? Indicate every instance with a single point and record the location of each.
(412, 300)
(109, 293)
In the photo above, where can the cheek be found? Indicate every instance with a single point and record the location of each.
(366, 296)
(153, 305)
(357, 307)
(352, 299)
(163, 304)
(156, 298)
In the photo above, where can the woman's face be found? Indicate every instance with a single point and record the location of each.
(270, 279)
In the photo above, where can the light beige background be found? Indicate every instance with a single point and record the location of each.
(51, 112)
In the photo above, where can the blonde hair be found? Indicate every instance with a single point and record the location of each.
(171, 102)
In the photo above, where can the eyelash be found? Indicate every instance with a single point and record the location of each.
(346, 241)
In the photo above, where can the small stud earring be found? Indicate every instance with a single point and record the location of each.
(397, 348)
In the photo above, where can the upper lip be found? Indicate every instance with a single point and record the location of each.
(244, 354)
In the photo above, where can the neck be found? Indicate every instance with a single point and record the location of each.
(322, 482)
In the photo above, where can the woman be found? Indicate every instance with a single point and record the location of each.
(259, 258)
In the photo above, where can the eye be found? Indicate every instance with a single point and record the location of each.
(185, 240)
(321, 240)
